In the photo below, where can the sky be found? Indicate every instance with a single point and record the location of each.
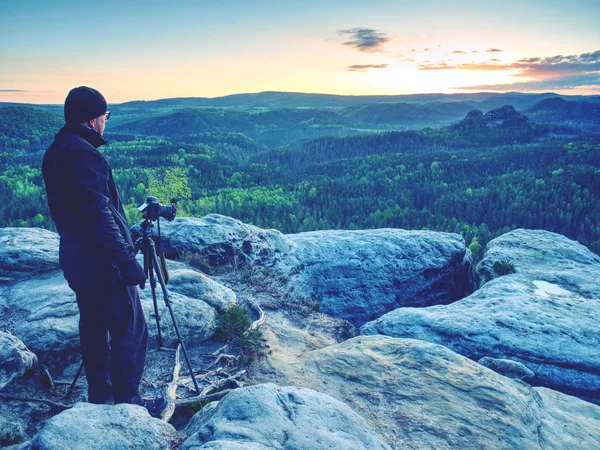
(145, 50)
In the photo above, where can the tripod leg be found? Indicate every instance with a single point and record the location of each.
(156, 266)
(148, 254)
(70, 391)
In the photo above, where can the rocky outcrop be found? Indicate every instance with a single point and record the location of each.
(269, 416)
(545, 315)
(15, 358)
(220, 240)
(43, 313)
(420, 395)
(544, 256)
(27, 251)
(360, 275)
(351, 275)
(91, 427)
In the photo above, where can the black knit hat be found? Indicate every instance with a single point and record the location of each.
(83, 104)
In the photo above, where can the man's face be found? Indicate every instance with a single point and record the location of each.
(98, 123)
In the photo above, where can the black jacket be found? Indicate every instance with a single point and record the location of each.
(86, 207)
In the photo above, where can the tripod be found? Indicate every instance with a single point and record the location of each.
(152, 267)
(155, 271)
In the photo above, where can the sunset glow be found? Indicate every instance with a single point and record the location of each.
(197, 49)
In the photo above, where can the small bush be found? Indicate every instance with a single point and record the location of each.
(504, 267)
(233, 327)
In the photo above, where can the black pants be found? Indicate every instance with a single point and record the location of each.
(114, 338)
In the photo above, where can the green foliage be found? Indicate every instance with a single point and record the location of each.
(479, 182)
(171, 183)
(233, 327)
(24, 129)
(476, 250)
(504, 267)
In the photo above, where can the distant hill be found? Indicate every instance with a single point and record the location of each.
(270, 128)
(431, 114)
(557, 109)
(27, 128)
(278, 100)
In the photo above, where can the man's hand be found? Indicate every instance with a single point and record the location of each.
(132, 273)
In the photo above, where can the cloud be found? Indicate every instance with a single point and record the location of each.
(366, 67)
(365, 39)
(493, 50)
(459, 52)
(12, 90)
(590, 82)
(537, 73)
(443, 65)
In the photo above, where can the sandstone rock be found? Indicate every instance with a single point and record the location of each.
(542, 255)
(90, 427)
(420, 395)
(194, 284)
(268, 416)
(198, 419)
(221, 240)
(545, 315)
(15, 358)
(26, 252)
(360, 275)
(506, 367)
(43, 311)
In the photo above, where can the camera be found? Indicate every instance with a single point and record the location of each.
(153, 210)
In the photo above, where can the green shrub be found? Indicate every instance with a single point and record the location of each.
(233, 327)
(504, 267)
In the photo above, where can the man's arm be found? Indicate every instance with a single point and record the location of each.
(91, 194)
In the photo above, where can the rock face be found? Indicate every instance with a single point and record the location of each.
(353, 275)
(26, 252)
(221, 240)
(269, 416)
(90, 427)
(360, 275)
(545, 315)
(420, 395)
(15, 358)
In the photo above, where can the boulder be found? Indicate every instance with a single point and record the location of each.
(269, 416)
(27, 251)
(545, 315)
(43, 311)
(420, 395)
(194, 284)
(360, 275)
(15, 358)
(90, 427)
(544, 256)
(220, 240)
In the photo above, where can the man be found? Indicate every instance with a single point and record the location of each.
(97, 253)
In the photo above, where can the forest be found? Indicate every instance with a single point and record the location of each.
(324, 167)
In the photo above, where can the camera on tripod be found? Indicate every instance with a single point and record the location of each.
(153, 210)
